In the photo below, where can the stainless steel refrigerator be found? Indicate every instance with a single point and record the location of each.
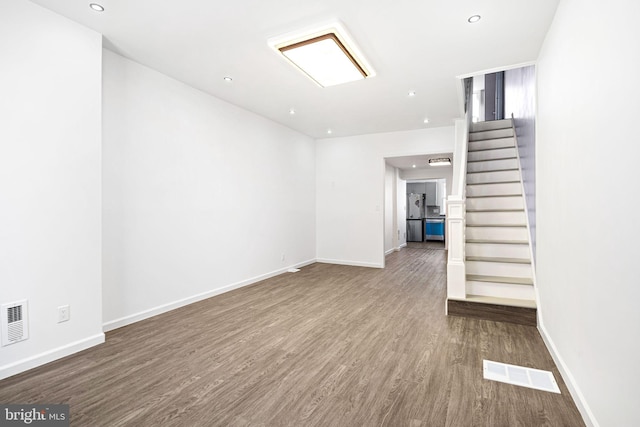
(415, 217)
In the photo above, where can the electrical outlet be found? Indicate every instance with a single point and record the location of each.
(63, 313)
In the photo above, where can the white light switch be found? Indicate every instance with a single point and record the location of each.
(63, 313)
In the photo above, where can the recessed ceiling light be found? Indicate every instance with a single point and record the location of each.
(474, 18)
(425, 121)
(227, 79)
(329, 131)
(292, 111)
(413, 166)
(326, 54)
(412, 93)
(96, 7)
(443, 161)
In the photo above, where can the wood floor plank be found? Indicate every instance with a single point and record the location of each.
(330, 345)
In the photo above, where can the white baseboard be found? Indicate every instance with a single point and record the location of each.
(136, 317)
(351, 263)
(392, 250)
(574, 390)
(11, 369)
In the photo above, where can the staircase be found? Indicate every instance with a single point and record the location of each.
(499, 274)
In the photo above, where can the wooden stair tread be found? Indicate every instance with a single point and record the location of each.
(496, 210)
(478, 133)
(496, 225)
(496, 196)
(500, 279)
(492, 123)
(488, 149)
(497, 182)
(491, 160)
(499, 259)
(508, 242)
(493, 170)
(500, 195)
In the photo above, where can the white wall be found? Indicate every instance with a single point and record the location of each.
(520, 100)
(390, 205)
(200, 196)
(587, 205)
(401, 210)
(49, 181)
(350, 190)
(395, 224)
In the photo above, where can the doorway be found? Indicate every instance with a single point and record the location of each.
(488, 97)
(426, 213)
(407, 174)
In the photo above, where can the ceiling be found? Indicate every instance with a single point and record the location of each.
(417, 162)
(413, 45)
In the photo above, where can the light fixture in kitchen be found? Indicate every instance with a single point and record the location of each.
(326, 54)
(442, 161)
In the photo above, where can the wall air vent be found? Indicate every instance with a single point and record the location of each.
(15, 322)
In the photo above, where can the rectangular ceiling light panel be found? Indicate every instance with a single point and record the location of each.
(444, 161)
(326, 55)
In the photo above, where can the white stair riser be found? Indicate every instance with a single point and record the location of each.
(501, 290)
(500, 153)
(490, 125)
(509, 188)
(492, 165)
(497, 250)
(493, 177)
(501, 269)
(508, 234)
(490, 144)
(490, 134)
(496, 218)
(512, 202)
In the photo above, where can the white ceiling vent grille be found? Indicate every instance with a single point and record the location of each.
(15, 322)
(519, 375)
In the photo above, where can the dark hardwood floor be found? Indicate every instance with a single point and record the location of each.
(327, 346)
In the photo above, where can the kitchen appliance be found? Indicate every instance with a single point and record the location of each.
(415, 217)
(415, 205)
(434, 229)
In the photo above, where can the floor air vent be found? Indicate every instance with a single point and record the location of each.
(519, 375)
(14, 322)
